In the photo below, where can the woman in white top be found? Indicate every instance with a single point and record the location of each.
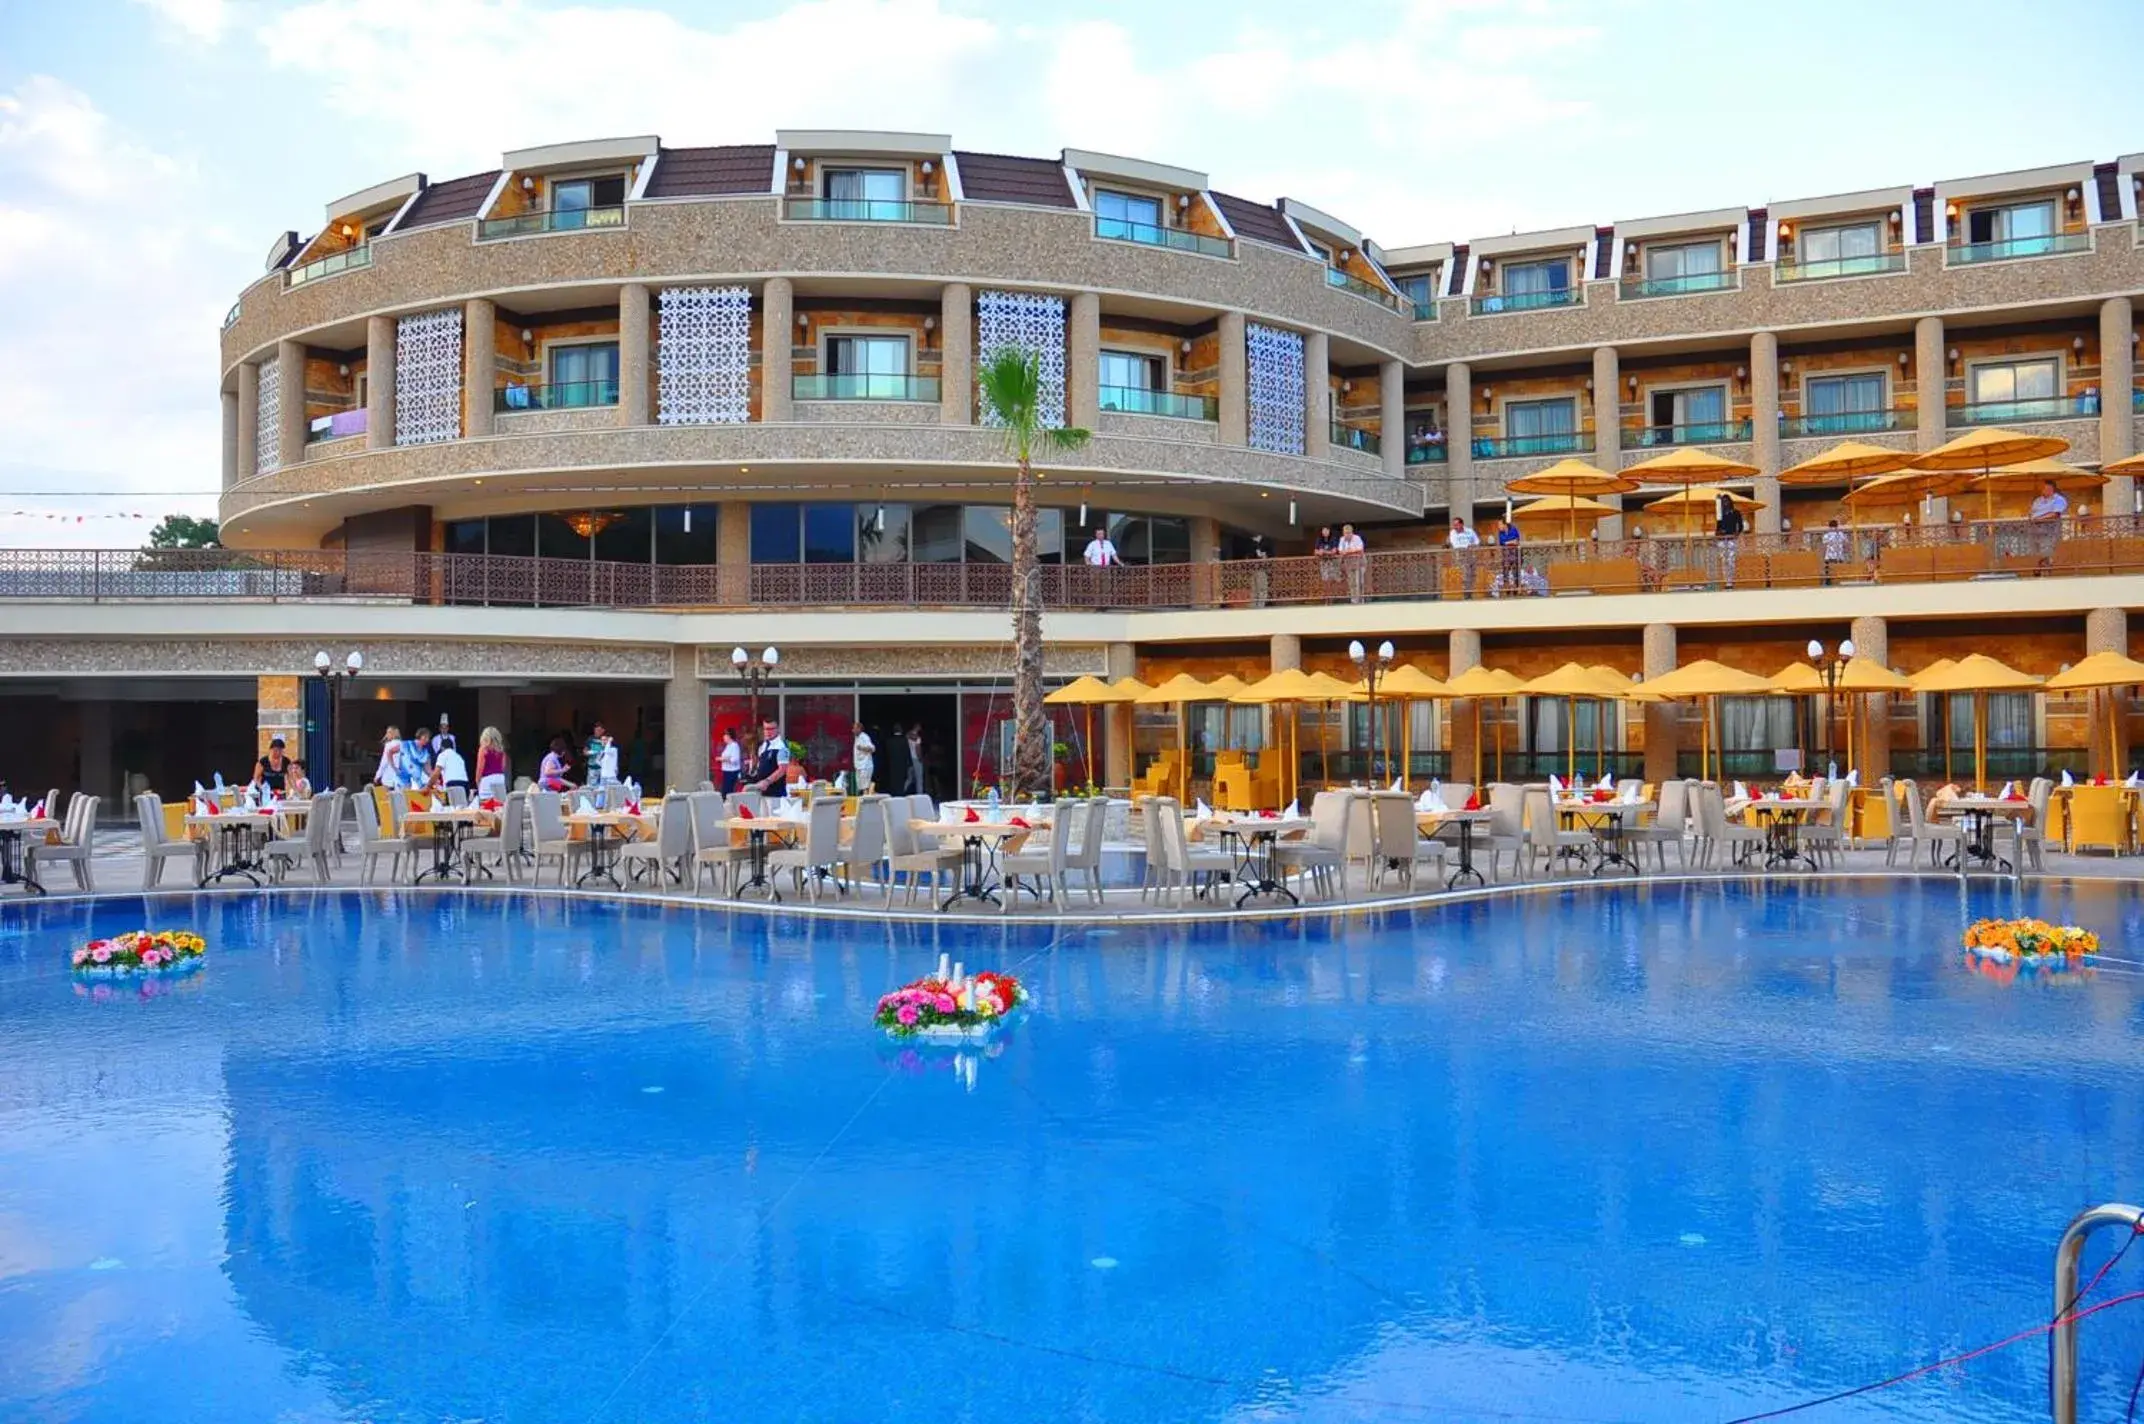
(865, 759)
(390, 770)
(732, 763)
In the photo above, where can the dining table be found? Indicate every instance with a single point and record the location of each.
(15, 868)
(1255, 841)
(756, 830)
(1976, 817)
(236, 837)
(450, 826)
(1436, 821)
(1609, 823)
(981, 842)
(1782, 818)
(607, 832)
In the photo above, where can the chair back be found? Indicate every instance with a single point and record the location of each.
(2042, 792)
(546, 815)
(867, 843)
(368, 817)
(894, 813)
(513, 823)
(1909, 791)
(1674, 812)
(1399, 836)
(754, 801)
(457, 796)
(1708, 810)
(1627, 785)
(1070, 816)
(1168, 816)
(1537, 812)
(1839, 794)
(1150, 819)
(319, 826)
(85, 826)
(1507, 809)
(1361, 826)
(1455, 794)
(922, 807)
(53, 809)
(149, 810)
(822, 832)
(704, 812)
(1093, 822)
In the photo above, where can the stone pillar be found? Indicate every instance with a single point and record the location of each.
(684, 721)
(1663, 720)
(634, 350)
(1460, 722)
(480, 366)
(230, 438)
(956, 355)
(380, 382)
(279, 712)
(1930, 379)
(1764, 426)
(733, 554)
(1284, 653)
(1284, 720)
(1205, 533)
(2106, 630)
(290, 413)
(2117, 382)
(1083, 361)
(1123, 661)
(1317, 395)
(1872, 715)
(1608, 427)
(1459, 438)
(777, 335)
(1392, 417)
(1235, 381)
(249, 414)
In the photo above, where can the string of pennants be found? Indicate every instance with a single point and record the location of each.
(62, 518)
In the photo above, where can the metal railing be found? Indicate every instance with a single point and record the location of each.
(1825, 269)
(1138, 400)
(554, 395)
(882, 210)
(550, 220)
(864, 386)
(1844, 422)
(1354, 437)
(345, 261)
(230, 318)
(2032, 408)
(2062, 1345)
(1428, 452)
(1703, 432)
(1635, 288)
(1369, 291)
(1496, 302)
(1508, 447)
(1174, 238)
(2051, 245)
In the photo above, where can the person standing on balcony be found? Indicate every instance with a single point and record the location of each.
(1507, 554)
(1261, 579)
(1327, 550)
(1727, 527)
(2046, 514)
(1835, 551)
(731, 761)
(1355, 558)
(1463, 542)
(1100, 556)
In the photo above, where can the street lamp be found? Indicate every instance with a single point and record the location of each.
(1831, 664)
(332, 678)
(756, 675)
(1371, 666)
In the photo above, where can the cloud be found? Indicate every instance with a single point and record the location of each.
(201, 19)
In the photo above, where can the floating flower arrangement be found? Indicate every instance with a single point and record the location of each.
(2029, 944)
(951, 1006)
(141, 952)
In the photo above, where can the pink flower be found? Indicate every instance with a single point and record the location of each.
(81, 956)
(943, 1003)
(100, 951)
(907, 1015)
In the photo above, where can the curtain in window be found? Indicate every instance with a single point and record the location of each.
(1532, 278)
(1841, 395)
(1532, 418)
(2010, 720)
(1756, 724)
(1704, 406)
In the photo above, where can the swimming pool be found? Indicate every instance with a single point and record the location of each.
(1653, 1153)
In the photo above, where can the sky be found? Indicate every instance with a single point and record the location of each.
(151, 150)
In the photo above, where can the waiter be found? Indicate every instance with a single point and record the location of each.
(770, 762)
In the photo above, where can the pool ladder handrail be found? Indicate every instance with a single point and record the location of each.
(2062, 1371)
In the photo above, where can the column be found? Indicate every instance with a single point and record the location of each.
(480, 366)
(278, 712)
(684, 721)
(380, 382)
(1083, 361)
(777, 333)
(1392, 417)
(1929, 380)
(1317, 395)
(634, 351)
(1205, 533)
(1122, 662)
(733, 554)
(1460, 723)
(2106, 630)
(1235, 381)
(1663, 720)
(956, 355)
(230, 438)
(249, 414)
(1872, 717)
(1459, 438)
(2117, 383)
(1608, 426)
(1284, 654)
(290, 413)
(1764, 426)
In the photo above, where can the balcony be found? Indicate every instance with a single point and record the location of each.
(348, 260)
(1354, 437)
(1636, 288)
(2011, 411)
(1497, 302)
(1368, 291)
(1705, 432)
(1845, 422)
(1424, 311)
(230, 318)
(871, 210)
(1137, 400)
(557, 395)
(1831, 268)
(2051, 245)
(1176, 239)
(864, 387)
(549, 220)
(1428, 453)
(1515, 447)
(338, 425)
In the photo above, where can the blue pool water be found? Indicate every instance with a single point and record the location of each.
(1657, 1154)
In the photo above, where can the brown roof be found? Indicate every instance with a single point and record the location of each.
(1001, 178)
(713, 172)
(1257, 221)
(456, 200)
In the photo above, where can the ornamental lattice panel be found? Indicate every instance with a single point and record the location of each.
(428, 377)
(268, 417)
(704, 355)
(1030, 322)
(1275, 384)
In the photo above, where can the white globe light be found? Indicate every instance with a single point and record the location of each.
(1384, 651)
(1816, 649)
(738, 657)
(1354, 650)
(772, 657)
(355, 661)
(320, 662)
(1846, 649)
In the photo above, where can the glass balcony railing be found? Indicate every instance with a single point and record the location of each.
(1428, 452)
(1525, 301)
(1424, 311)
(1175, 238)
(345, 261)
(2049, 245)
(1369, 291)
(556, 395)
(230, 318)
(1844, 422)
(1827, 268)
(550, 220)
(876, 210)
(1703, 432)
(1137, 400)
(1354, 437)
(2039, 408)
(2136, 400)
(864, 387)
(1633, 288)
(1511, 447)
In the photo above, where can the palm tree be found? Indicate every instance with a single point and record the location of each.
(1011, 386)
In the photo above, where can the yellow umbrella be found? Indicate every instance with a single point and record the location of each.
(2107, 670)
(1564, 509)
(1571, 477)
(1691, 507)
(1289, 686)
(1571, 682)
(1707, 681)
(1986, 450)
(2128, 466)
(1907, 487)
(1177, 691)
(1688, 466)
(1089, 692)
(2027, 475)
(1479, 684)
(1980, 675)
(1844, 462)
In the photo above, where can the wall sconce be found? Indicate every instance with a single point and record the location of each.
(1898, 219)
(1632, 382)
(1183, 201)
(1291, 512)
(1741, 373)
(1589, 387)
(348, 231)
(2077, 345)
(1902, 360)
(1950, 210)
(1786, 229)
(1488, 397)
(1346, 256)
(2073, 196)
(1185, 346)
(879, 520)
(1083, 514)
(803, 320)
(1488, 264)
(1786, 368)
(930, 323)
(928, 169)
(1954, 355)
(797, 164)
(1346, 386)
(528, 184)
(343, 369)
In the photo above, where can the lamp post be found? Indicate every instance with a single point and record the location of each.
(1372, 665)
(1831, 664)
(332, 678)
(756, 674)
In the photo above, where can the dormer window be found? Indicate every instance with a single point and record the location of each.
(2019, 224)
(866, 194)
(1134, 217)
(588, 202)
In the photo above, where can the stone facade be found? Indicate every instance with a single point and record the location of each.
(272, 658)
(947, 660)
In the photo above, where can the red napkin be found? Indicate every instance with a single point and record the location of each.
(744, 812)
(1473, 802)
(1021, 822)
(2014, 796)
(971, 818)
(632, 808)
(1270, 815)
(1599, 796)
(2099, 781)
(489, 803)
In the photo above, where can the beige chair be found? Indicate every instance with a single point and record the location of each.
(1826, 839)
(1670, 826)
(1085, 858)
(2031, 835)
(551, 839)
(1047, 865)
(1920, 831)
(1506, 830)
(1716, 834)
(820, 851)
(157, 847)
(915, 855)
(77, 843)
(1544, 836)
(1182, 866)
(669, 853)
(864, 857)
(1400, 843)
(503, 845)
(1321, 853)
(714, 850)
(310, 846)
(373, 844)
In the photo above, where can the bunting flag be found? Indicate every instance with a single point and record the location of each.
(63, 518)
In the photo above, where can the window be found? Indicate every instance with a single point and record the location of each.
(1696, 413)
(1127, 215)
(1756, 724)
(2010, 720)
(774, 534)
(867, 367)
(2023, 227)
(1539, 280)
(882, 533)
(829, 534)
(465, 536)
(1420, 292)
(878, 194)
(935, 533)
(1697, 260)
(1850, 248)
(628, 537)
(511, 534)
(1540, 426)
(583, 374)
(2016, 389)
(587, 202)
(988, 534)
(1833, 405)
(686, 533)
(1131, 381)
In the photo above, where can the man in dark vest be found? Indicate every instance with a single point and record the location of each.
(769, 762)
